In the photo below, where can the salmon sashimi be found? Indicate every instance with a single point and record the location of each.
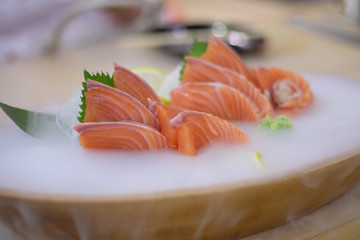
(195, 130)
(221, 54)
(215, 98)
(284, 88)
(124, 135)
(129, 82)
(198, 70)
(165, 113)
(107, 104)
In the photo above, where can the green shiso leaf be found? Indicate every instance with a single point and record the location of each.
(33, 123)
(99, 77)
(198, 48)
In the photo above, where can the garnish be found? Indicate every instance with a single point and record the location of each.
(266, 122)
(258, 159)
(153, 76)
(275, 123)
(99, 77)
(198, 48)
(165, 101)
(35, 124)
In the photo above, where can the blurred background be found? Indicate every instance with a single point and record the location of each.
(50, 43)
(29, 28)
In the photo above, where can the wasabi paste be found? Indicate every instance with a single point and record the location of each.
(275, 123)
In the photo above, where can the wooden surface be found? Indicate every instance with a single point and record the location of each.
(46, 80)
(223, 212)
(339, 219)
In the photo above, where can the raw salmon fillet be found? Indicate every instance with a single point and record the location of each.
(284, 88)
(198, 70)
(216, 98)
(195, 130)
(124, 135)
(165, 113)
(107, 104)
(221, 54)
(128, 82)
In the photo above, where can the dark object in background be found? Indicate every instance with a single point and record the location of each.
(181, 37)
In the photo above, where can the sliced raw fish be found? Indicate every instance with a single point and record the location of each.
(221, 54)
(284, 88)
(165, 113)
(198, 70)
(195, 130)
(107, 104)
(216, 98)
(124, 135)
(129, 82)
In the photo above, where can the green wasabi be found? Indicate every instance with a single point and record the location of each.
(266, 122)
(275, 123)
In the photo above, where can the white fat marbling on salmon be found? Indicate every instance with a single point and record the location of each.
(109, 104)
(212, 128)
(153, 139)
(225, 56)
(213, 97)
(199, 70)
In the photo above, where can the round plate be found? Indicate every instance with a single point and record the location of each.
(239, 199)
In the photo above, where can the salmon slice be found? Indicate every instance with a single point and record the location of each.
(124, 135)
(284, 88)
(221, 54)
(107, 104)
(128, 82)
(165, 113)
(265, 80)
(195, 130)
(215, 98)
(198, 70)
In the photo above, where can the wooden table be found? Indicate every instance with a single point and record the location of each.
(49, 79)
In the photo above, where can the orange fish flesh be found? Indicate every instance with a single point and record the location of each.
(285, 89)
(165, 113)
(124, 135)
(129, 82)
(195, 130)
(198, 70)
(221, 54)
(215, 98)
(107, 104)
